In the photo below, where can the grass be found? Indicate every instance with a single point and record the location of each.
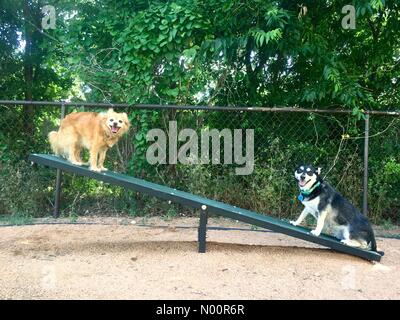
(73, 217)
(386, 224)
(16, 219)
(171, 213)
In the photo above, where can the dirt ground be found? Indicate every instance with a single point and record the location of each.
(121, 259)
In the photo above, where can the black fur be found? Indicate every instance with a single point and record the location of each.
(347, 214)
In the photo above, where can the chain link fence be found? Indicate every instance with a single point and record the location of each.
(283, 139)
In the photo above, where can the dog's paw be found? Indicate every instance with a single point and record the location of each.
(95, 169)
(344, 241)
(293, 222)
(315, 233)
(103, 169)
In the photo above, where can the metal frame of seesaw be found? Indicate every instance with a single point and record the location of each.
(200, 203)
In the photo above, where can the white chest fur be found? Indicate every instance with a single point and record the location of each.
(312, 206)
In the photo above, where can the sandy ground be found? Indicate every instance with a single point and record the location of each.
(128, 261)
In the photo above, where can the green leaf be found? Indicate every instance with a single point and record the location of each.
(172, 92)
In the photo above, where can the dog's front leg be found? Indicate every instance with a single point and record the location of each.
(300, 219)
(102, 157)
(94, 153)
(320, 223)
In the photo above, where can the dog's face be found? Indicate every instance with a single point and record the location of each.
(116, 123)
(307, 176)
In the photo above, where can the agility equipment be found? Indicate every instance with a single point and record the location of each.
(205, 206)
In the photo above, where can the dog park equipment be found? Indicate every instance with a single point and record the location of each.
(204, 205)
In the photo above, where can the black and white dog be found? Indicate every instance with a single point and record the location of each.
(333, 212)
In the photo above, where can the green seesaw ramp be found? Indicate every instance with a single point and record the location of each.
(204, 204)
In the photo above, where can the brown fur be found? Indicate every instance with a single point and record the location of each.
(89, 130)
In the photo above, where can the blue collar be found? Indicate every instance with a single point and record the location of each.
(308, 192)
(305, 193)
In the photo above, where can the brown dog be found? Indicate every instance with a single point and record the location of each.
(96, 132)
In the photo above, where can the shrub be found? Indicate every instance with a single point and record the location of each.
(25, 189)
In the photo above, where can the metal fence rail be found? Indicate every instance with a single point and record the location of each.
(186, 107)
(284, 137)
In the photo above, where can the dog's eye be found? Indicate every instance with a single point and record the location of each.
(120, 121)
(111, 120)
(310, 173)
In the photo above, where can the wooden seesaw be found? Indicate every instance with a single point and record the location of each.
(203, 204)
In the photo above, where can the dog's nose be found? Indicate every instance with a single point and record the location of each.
(115, 124)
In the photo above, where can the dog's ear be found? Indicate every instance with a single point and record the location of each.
(110, 110)
(319, 169)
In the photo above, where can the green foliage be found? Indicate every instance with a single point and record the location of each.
(37, 73)
(233, 52)
(16, 219)
(262, 37)
(384, 186)
(216, 52)
(24, 190)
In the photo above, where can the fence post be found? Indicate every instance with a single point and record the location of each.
(365, 180)
(56, 212)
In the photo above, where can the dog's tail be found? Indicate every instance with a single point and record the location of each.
(373, 244)
(55, 146)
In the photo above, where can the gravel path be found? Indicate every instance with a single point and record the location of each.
(132, 262)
